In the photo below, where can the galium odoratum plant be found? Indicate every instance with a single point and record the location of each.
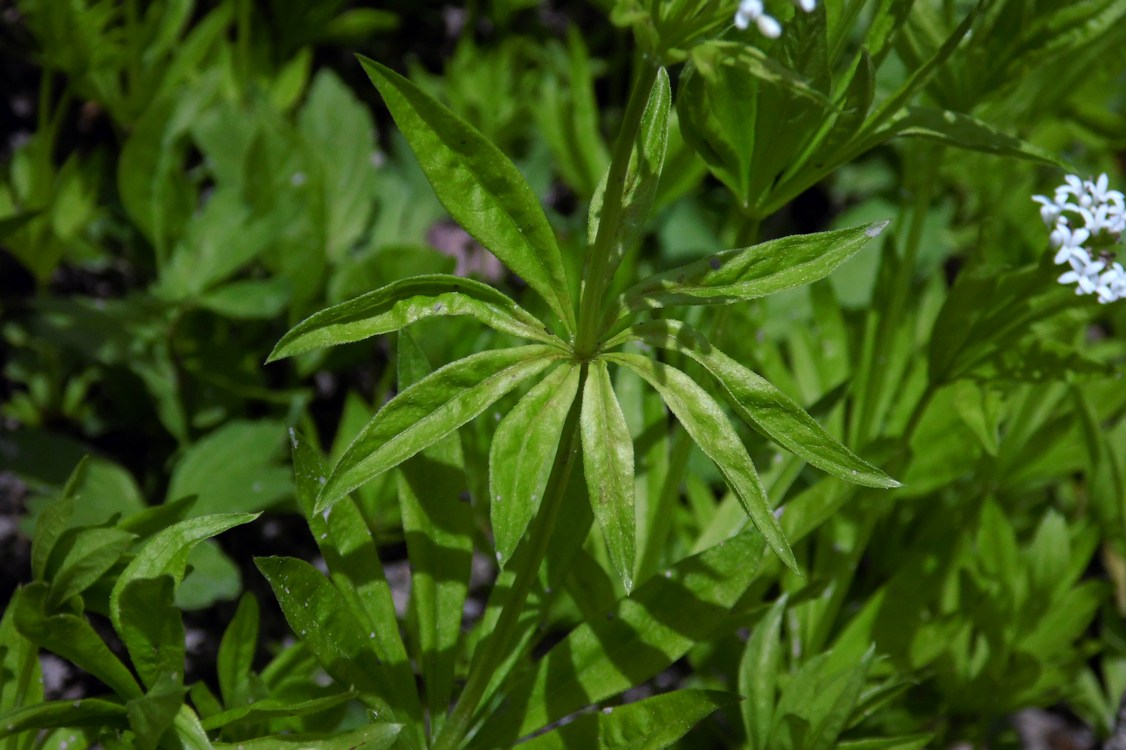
(570, 409)
(1087, 220)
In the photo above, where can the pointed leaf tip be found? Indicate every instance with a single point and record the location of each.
(875, 230)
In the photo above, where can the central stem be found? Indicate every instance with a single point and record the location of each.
(527, 566)
(596, 273)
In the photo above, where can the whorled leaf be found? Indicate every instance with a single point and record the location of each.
(427, 411)
(763, 406)
(748, 273)
(480, 187)
(655, 722)
(608, 465)
(402, 303)
(522, 454)
(703, 419)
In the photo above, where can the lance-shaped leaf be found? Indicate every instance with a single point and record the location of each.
(349, 550)
(522, 454)
(646, 160)
(438, 527)
(704, 421)
(168, 551)
(269, 708)
(608, 465)
(377, 736)
(329, 629)
(152, 630)
(651, 723)
(429, 410)
(964, 131)
(402, 303)
(758, 673)
(89, 712)
(72, 638)
(747, 273)
(480, 187)
(763, 406)
(640, 635)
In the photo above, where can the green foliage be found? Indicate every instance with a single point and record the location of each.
(864, 490)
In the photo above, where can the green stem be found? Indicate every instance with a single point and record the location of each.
(493, 651)
(595, 277)
(891, 317)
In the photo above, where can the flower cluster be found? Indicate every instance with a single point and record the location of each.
(753, 11)
(1087, 222)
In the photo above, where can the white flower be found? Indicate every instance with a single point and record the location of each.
(753, 11)
(1087, 220)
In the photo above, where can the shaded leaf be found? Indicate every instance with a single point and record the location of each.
(639, 636)
(650, 724)
(72, 638)
(319, 617)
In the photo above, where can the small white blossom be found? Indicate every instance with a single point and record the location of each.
(1087, 220)
(753, 11)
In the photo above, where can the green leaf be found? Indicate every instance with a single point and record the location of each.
(708, 426)
(88, 712)
(569, 121)
(438, 526)
(212, 577)
(758, 672)
(341, 135)
(522, 453)
(255, 482)
(345, 540)
(479, 186)
(270, 708)
(322, 621)
(905, 742)
(72, 638)
(236, 653)
(964, 131)
(376, 736)
(86, 556)
(764, 406)
(153, 714)
(150, 176)
(189, 733)
(152, 630)
(608, 465)
(20, 675)
(649, 724)
(426, 412)
(54, 519)
(639, 636)
(252, 299)
(168, 551)
(402, 303)
(756, 271)
(643, 173)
